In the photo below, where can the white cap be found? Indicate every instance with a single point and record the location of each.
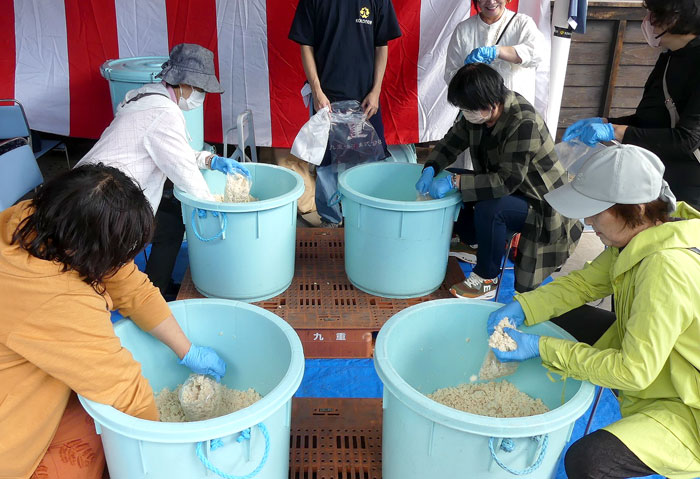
(624, 174)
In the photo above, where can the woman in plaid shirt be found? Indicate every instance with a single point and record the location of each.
(514, 166)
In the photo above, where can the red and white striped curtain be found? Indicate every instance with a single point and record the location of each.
(51, 51)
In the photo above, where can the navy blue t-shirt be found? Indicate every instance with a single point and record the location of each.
(344, 34)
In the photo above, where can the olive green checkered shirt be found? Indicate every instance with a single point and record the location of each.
(516, 157)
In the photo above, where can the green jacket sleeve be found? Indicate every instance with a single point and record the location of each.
(568, 292)
(656, 320)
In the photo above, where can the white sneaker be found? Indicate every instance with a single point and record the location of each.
(464, 252)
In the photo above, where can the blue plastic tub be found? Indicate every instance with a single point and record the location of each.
(261, 351)
(244, 251)
(127, 74)
(395, 246)
(440, 344)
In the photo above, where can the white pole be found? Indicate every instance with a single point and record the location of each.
(561, 41)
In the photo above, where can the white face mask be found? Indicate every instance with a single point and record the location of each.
(475, 116)
(195, 100)
(652, 38)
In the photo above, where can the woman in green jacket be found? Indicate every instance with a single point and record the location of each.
(650, 350)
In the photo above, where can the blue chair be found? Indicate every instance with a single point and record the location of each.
(19, 174)
(13, 124)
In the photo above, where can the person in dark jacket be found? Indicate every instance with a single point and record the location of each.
(667, 119)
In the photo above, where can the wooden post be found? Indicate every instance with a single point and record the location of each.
(615, 56)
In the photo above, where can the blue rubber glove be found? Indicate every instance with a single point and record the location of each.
(482, 55)
(204, 360)
(426, 178)
(597, 132)
(528, 347)
(228, 166)
(513, 311)
(574, 131)
(440, 187)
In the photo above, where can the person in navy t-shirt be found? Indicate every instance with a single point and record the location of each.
(344, 53)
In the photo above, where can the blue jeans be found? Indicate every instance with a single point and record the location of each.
(326, 187)
(489, 223)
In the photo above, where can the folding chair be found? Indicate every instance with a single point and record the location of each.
(13, 124)
(246, 138)
(19, 174)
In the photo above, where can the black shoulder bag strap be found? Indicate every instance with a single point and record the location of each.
(671, 107)
(505, 28)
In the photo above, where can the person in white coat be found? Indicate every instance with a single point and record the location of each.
(148, 141)
(509, 42)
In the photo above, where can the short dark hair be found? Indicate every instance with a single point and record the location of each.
(92, 220)
(476, 86)
(632, 215)
(677, 16)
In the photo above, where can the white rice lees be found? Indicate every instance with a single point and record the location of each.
(500, 340)
(492, 368)
(200, 398)
(494, 399)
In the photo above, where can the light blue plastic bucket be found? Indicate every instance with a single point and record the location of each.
(261, 351)
(244, 251)
(395, 246)
(127, 74)
(441, 344)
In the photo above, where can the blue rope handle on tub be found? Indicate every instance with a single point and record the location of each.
(508, 445)
(245, 435)
(203, 214)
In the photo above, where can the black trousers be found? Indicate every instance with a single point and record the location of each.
(167, 240)
(586, 323)
(599, 455)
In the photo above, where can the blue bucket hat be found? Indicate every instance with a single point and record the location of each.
(193, 65)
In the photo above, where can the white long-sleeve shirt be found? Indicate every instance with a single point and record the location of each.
(522, 34)
(147, 140)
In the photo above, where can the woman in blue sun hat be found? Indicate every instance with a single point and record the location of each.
(148, 141)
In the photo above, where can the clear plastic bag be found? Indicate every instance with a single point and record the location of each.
(573, 154)
(491, 367)
(352, 140)
(237, 189)
(200, 397)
